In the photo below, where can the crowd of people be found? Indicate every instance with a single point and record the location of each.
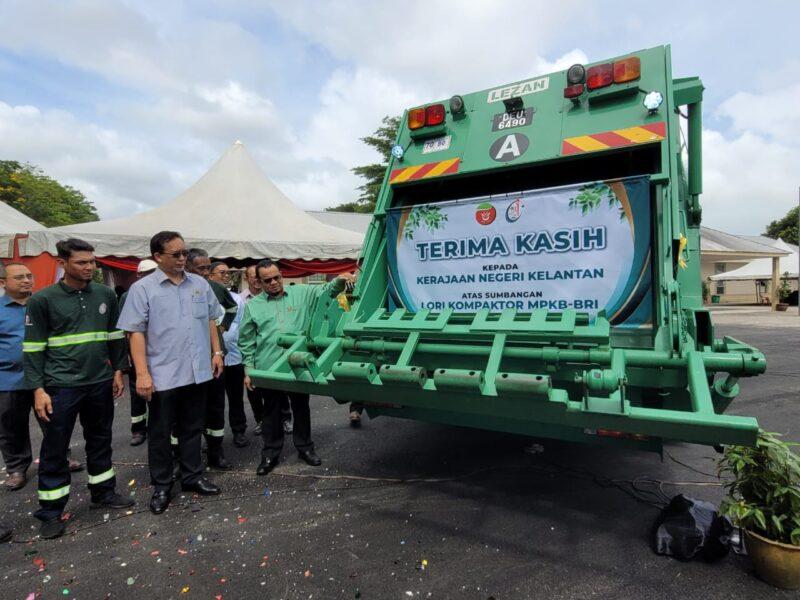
(186, 342)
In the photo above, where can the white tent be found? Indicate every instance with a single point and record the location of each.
(762, 268)
(234, 211)
(13, 221)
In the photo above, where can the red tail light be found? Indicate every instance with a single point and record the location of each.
(434, 114)
(573, 91)
(416, 118)
(599, 76)
(627, 69)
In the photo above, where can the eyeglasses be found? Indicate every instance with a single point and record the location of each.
(175, 255)
(20, 277)
(271, 279)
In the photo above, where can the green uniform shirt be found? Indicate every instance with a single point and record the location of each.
(71, 336)
(266, 318)
(228, 305)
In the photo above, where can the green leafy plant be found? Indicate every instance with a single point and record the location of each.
(706, 291)
(591, 196)
(764, 492)
(784, 291)
(429, 217)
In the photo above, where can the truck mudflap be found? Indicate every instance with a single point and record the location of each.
(541, 373)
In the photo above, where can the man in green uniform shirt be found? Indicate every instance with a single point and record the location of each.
(73, 357)
(198, 262)
(276, 311)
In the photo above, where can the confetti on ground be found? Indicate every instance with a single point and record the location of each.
(31, 596)
(185, 590)
(307, 573)
(131, 483)
(131, 581)
(40, 564)
(46, 579)
(182, 552)
(242, 520)
(155, 553)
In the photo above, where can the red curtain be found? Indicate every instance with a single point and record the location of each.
(301, 268)
(125, 264)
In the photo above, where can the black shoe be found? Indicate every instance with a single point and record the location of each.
(113, 500)
(52, 529)
(218, 461)
(310, 457)
(5, 534)
(202, 486)
(159, 502)
(137, 439)
(267, 464)
(240, 440)
(287, 427)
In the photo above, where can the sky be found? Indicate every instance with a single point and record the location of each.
(132, 101)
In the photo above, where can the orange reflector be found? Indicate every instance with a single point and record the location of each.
(416, 118)
(434, 114)
(627, 69)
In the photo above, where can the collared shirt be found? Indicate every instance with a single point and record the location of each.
(247, 295)
(174, 319)
(12, 332)
(265, 318)
(71, 337)
(232, 355)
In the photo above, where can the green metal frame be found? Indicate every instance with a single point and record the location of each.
(549, 374)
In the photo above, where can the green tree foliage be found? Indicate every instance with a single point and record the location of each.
(785, 228)
(42, 198)
(382, 140)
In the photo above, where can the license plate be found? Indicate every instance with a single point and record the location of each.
(436, 144)
(509, 120)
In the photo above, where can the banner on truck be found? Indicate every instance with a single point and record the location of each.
(585, 247)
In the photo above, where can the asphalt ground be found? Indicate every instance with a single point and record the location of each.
(402, 509)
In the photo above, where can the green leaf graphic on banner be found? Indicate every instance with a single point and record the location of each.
(428, 217)
(590, 197)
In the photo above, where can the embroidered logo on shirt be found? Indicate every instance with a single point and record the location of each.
(102, 308)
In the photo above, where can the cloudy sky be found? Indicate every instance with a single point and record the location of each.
(131, 101)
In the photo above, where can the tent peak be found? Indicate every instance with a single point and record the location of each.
(238, 143)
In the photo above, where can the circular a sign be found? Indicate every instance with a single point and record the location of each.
(509, 147)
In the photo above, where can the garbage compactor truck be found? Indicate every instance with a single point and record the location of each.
(533, 266)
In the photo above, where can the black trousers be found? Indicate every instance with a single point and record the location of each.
(182, 410)
(215, 414)
(138, 406)
(234, 389)
(94, 405)
(256, 399)
(272, 429)
(15, 436)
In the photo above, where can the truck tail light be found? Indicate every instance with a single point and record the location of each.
(573, 91)
(627, 69)
(434, 114)
(416, 118)
(599, 76)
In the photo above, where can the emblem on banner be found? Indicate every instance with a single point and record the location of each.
(485, 214)
(514, 210)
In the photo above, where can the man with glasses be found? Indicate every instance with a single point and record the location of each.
(197, 262)
(171, 317)
(275, 312)
(234, 370)
(254, 396)
(73, 360)
(16, 403)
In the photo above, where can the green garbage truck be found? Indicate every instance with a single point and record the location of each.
(533, 267)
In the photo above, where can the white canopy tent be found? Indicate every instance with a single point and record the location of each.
(762, 268)
(12, 221)
(233, 211)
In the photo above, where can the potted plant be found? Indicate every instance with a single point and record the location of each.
(763, 498)
(784, 291)
(706, 291)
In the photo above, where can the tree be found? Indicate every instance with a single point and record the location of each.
(785, 228)
(28, 189)
(382, 140)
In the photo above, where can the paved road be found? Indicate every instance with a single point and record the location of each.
(487, 521)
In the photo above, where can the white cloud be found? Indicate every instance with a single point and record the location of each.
(748, 181)
(773, 113)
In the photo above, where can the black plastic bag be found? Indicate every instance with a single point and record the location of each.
(687, 528)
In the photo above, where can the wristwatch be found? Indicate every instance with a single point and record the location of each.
(219, 353)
